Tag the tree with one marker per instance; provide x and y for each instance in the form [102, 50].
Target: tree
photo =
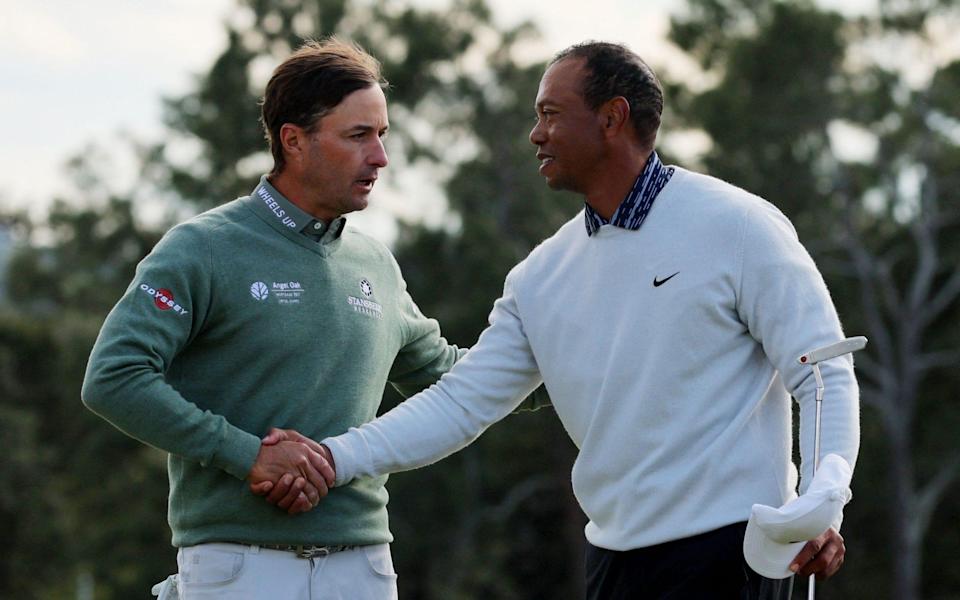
[424, 54]
[504, 210]
[884, 229]
[499, 519]
[66, 471]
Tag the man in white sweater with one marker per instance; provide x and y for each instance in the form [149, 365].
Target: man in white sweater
[666, 322]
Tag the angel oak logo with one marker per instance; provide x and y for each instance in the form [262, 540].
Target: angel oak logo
[258, 290]
[163, 299]
[283, 292]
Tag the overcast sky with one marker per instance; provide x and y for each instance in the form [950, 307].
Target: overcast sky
[74, 73]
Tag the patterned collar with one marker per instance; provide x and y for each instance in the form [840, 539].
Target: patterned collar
[634, 208]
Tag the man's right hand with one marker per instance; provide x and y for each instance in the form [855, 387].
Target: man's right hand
[303, 474]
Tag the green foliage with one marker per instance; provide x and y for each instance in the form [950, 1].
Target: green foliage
[885, 232]
[79, 489]
[508, 528]
[498, 520]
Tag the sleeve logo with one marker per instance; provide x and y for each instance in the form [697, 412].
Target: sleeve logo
[163, 299]
[259, 290]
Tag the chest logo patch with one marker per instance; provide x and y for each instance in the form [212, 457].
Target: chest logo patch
[658, 282]
[366, 288]
[283, 292]
[366, 306]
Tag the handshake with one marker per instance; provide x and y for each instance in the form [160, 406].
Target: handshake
[292, 471]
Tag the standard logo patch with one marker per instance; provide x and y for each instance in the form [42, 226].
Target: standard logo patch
[366, 306]
[163, 299]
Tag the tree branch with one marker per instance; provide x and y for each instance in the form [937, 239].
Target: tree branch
[863, 263]
[518, 494]
[935, 360]
[943, 298]
[929, 496]
[923, 231]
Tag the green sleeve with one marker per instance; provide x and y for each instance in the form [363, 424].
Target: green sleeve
[425, 355]
[161, 312]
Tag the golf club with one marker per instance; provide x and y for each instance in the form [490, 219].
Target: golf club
[814, 358]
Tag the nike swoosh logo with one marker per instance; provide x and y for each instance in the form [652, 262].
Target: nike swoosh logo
[659, 282]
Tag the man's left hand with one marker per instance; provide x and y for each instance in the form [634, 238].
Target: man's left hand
[822, 556]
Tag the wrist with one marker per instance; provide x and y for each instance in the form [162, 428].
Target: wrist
[328, 454]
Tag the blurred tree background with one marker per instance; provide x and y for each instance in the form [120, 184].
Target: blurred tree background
[817, 112]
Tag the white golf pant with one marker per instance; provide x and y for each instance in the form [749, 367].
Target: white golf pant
[242, 572]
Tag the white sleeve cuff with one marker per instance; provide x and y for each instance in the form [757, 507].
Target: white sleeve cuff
[344, 461]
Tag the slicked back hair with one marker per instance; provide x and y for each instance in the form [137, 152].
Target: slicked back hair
[614, 70]
[311, 83]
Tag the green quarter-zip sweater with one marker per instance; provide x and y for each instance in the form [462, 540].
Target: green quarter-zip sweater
[249, 316]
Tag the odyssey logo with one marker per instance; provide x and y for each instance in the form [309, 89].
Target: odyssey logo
[163, 299]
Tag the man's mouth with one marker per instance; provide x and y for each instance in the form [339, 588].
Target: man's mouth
[366, 183]
[545, 160]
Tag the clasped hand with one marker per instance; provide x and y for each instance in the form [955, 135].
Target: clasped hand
[292, 471]
[821, 556]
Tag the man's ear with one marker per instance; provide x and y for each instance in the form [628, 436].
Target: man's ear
[292, 138]
[616, 115]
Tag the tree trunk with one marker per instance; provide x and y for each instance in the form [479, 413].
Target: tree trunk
[906, 543]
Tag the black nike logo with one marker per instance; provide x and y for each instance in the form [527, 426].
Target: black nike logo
[659, 282]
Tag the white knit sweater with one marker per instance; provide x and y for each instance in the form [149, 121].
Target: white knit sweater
[677, 395]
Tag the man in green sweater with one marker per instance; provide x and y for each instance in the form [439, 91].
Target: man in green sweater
[269, 312]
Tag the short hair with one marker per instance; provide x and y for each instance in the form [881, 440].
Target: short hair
[615, 70]
[311, 83]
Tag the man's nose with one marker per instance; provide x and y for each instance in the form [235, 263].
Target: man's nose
[536, 135]
[378, 157]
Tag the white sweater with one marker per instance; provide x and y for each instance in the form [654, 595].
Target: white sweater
[677, 395]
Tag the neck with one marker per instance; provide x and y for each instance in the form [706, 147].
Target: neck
[614, 183]
[293, 189]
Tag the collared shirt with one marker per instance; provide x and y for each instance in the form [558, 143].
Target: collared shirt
[634, 208]
[296, 218]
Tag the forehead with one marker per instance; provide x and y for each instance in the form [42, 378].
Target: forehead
[366, 106]
[562, 82]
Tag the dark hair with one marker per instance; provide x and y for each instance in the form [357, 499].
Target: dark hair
[614, 70]
[311, 83]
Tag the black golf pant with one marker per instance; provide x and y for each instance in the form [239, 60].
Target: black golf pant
[707, 566]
